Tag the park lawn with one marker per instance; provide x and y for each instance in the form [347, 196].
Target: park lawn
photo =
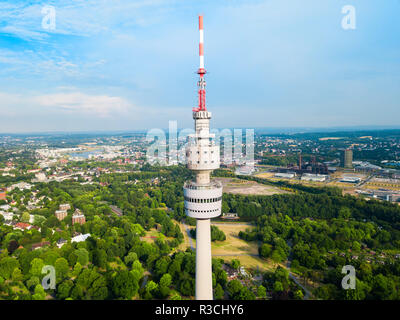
[251, 262]
[233, 244]
[150, 235]
[245, 187]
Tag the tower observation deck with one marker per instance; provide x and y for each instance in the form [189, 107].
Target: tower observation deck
[203, 197]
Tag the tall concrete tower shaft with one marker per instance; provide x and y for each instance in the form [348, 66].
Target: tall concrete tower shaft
[203, 197]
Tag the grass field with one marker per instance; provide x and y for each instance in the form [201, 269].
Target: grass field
[251, 262]
[150, 236]
[238, 186]
[233, 247]
[232, 244]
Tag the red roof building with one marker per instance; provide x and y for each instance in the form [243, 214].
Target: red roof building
[3, 194]
[23, 226]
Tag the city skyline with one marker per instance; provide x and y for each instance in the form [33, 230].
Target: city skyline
[109, 66]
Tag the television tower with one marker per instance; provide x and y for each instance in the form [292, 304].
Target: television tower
[203, 197]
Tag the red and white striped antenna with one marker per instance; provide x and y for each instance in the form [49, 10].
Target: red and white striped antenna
[202, 71]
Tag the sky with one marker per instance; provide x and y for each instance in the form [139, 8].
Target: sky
[114, 65]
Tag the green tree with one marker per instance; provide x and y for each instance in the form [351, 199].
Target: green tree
[36, 267]
[7, 266]
[100, 258]
[17, 275]
[344, 213]
[278, 287]
[64, 289]
[32, 282]
[25, 217]
[82, 256]
[39, 294]
[265, 250]
[62, 268]
[125, 285]
[151, 287]
[261, 291]
[130, 258]
[77, 269]
[234, 287]
[165, 282]
[235, 264]
[218, 292]
[298, 295]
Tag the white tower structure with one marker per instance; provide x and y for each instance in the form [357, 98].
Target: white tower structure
[203, 197]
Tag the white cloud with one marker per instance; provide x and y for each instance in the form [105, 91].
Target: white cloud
[78, 18]
[74, 102]
[77, 102]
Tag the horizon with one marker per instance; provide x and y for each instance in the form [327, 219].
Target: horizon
[266, 130]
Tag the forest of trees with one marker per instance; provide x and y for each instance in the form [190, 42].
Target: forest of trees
[317, 229]
[216, 234]
[320, 234]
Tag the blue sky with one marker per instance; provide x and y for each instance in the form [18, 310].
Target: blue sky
[130, 65]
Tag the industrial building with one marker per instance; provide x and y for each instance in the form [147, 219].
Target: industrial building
[286, 175]
[245, 170]
[350, 179]
[202, 197]
[314, 177]
[346, 160]
[392, 196]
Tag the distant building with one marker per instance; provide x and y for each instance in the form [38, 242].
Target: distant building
[245, 170]
[41, 177]
[65, 206]
[80, 237]
[21, 186]
[231, 216]
[286, 175]
[61, 214]
[8, 216]
[350, 179]
[3, 194]
[23, 226]
[61, 242]
[116, 210]
[39, 245]
[314, 177]
[78, 217]
[346, 160]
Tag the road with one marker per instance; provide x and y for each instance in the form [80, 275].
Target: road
[291, 276]
[188, 233]
[365, 181]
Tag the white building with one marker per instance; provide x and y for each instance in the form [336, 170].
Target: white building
[80, 238]
[8, 216]
[245, 170]
[314, 177]
[41, 177]
[21, 186]
[286, 175]
[350, 179]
